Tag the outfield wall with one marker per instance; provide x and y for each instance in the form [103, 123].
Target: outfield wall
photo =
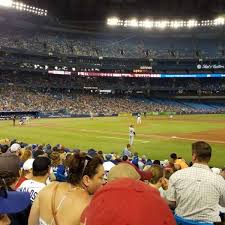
[8, 115]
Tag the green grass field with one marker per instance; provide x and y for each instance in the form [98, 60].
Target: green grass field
[156, 137]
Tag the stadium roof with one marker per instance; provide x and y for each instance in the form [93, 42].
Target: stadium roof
[98, 10]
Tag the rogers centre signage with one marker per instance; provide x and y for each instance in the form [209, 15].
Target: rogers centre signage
[99, 74]
[206, 66]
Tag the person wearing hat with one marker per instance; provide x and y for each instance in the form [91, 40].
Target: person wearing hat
[8, 178]
[26, 172]
[12, 202]
[41, 171]
[14, 149]
[9, 168]
[108, 164]
[131, 134]
[127, 201]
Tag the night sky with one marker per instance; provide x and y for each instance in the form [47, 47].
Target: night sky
[98, 10]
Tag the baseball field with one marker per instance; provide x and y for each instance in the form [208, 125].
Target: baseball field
[156, 137]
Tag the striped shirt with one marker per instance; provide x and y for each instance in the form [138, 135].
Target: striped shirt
[197, 193]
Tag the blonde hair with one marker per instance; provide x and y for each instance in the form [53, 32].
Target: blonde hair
[157, 173]
[55, 159]
[25, 155]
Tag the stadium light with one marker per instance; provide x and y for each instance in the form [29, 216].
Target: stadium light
[148, 23]
[23, 7]
[6, 3]
[176, 24]
[219, 21]
[112, 21]
[162, 24]
[133, 23]
[192, 23]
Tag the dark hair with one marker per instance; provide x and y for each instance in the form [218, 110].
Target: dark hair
[4, 148]
[40, 173]
[156, 162]
[7, 178]
[40, 147]
[83, 164]
[125, 158]
[202, 150]
[38, 153]
[41, 166]
[100, 154]
[173, 156]
[67, 161]
[54, 149]
[168, 174]
[128, 145]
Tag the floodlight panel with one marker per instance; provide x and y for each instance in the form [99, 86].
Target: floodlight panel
[161, 24]
[148, 23]
[219, 21]
[113, 21]
[192, 23]
[6, 3]
[133, 22]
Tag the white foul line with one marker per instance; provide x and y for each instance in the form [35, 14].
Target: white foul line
[118, 138]
[193, 139]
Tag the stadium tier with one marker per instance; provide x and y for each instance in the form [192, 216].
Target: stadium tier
[40, 44]
[77, 71]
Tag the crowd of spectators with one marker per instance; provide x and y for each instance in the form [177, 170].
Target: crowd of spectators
[40, 183]
[81, 95]
[100, 45]
[16, 98]
[71, 102]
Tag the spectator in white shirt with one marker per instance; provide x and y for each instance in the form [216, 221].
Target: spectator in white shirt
[41, 171]
[196, 192]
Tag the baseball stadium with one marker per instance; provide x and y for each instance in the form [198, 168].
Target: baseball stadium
[112, 101]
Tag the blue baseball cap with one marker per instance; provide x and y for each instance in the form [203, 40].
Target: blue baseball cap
[13, 201]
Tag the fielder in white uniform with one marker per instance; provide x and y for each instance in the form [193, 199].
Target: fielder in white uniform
[91, 115]
[27, 119]
[139, 118]
[131, 134]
